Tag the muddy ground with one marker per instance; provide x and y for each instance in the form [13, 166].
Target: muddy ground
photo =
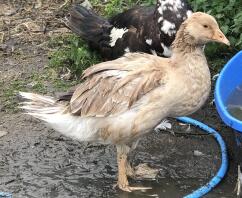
[36, 161]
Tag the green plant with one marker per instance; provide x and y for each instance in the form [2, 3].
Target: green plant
[117, 6]
[42, 83]
[71, 53]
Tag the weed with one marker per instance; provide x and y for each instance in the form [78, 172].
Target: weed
[73, 55]
[117, 6]
[45, 83]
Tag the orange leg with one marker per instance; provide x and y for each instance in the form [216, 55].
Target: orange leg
[123, 183]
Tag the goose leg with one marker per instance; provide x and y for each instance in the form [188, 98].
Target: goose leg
[123, 184]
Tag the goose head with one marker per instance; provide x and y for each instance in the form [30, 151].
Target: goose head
[198, 30]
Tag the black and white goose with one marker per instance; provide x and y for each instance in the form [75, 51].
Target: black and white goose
[144, 29]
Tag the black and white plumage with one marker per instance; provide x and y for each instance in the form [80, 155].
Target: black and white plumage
[144, 29]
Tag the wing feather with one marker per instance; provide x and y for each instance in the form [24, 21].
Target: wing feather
[115, 86]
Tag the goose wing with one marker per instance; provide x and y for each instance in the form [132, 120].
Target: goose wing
[115, 86]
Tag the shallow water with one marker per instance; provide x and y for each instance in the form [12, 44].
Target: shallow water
[235, 111]
[234, 103]
[36, 162]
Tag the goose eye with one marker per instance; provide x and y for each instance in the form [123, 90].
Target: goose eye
[205, 26]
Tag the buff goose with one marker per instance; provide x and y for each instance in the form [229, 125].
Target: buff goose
[140, 29]
[121, 100]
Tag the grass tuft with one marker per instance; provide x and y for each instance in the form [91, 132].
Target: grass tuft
[71, 54]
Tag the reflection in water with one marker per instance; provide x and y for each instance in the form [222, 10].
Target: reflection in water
[234, 103]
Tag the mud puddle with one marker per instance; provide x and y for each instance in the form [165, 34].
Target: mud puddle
[39, 162]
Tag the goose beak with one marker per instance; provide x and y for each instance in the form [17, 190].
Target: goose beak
[219, 37]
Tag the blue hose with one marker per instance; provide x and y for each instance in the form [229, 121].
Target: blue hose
[214, 181]
[224, 164]
[5, 195]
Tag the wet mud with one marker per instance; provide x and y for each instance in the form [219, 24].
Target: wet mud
[39, 162]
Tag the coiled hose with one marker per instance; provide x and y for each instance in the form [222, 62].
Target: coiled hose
[224, 158]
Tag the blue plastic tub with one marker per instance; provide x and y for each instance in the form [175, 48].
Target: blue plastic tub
[229, 78]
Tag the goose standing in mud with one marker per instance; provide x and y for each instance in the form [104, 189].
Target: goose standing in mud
[119, 101]
[140, 29]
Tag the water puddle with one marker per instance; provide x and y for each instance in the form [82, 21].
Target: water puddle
[53, 166]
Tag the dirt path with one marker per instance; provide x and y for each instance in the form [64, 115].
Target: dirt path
[38, 162]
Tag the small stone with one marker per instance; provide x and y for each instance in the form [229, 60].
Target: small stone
[31, 84]
[38, 4]
[3, 47]
[86, 4]
[32, 27]
[198, 153]
[3, 133]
